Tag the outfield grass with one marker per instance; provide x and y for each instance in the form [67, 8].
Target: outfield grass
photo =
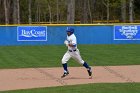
[50, 56]
[87, 88]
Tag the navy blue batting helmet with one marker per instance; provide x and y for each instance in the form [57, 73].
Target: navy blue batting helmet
[71, 30]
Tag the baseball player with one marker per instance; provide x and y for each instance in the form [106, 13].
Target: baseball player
[73, 52]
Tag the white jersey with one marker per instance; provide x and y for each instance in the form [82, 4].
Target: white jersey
[72, 40]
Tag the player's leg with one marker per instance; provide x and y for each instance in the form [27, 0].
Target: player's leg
[76, 55]
[65, 58]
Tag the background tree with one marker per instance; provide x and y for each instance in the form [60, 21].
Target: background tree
[57, 8]
[16, 11]
[107, 4]
[6, 12]
[84, 18]
[123, 11]
[89, 9]
[29, 9]
[131, 11]
[70, 11]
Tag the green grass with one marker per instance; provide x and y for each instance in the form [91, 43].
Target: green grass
[50, 56]
[87, 88]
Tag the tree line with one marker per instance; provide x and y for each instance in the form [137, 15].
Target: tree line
[68, 11]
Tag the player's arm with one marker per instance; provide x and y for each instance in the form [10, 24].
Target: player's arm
[72, 45]
[68, 43]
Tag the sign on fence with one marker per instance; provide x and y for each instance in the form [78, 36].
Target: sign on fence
[129, 32]
[31, 33]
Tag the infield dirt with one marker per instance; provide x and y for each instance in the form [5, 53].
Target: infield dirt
[26, 78]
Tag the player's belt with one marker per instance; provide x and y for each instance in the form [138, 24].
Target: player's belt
[72, 50]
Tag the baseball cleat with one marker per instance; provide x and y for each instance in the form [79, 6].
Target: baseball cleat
[90, 72]
[65, 74]
[90, 77]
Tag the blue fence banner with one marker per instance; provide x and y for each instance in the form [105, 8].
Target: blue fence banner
[128, 32]
[31, 33]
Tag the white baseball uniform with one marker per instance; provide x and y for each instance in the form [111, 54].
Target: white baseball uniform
[72, 52]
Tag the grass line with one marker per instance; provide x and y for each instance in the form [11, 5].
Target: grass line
[87, 88]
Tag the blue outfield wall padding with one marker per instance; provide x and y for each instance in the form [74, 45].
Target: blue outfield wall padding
[94, 34]
[56, 35]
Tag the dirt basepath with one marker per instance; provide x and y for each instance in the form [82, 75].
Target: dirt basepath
[13, 79]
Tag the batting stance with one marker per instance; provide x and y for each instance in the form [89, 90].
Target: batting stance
[73, 52]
